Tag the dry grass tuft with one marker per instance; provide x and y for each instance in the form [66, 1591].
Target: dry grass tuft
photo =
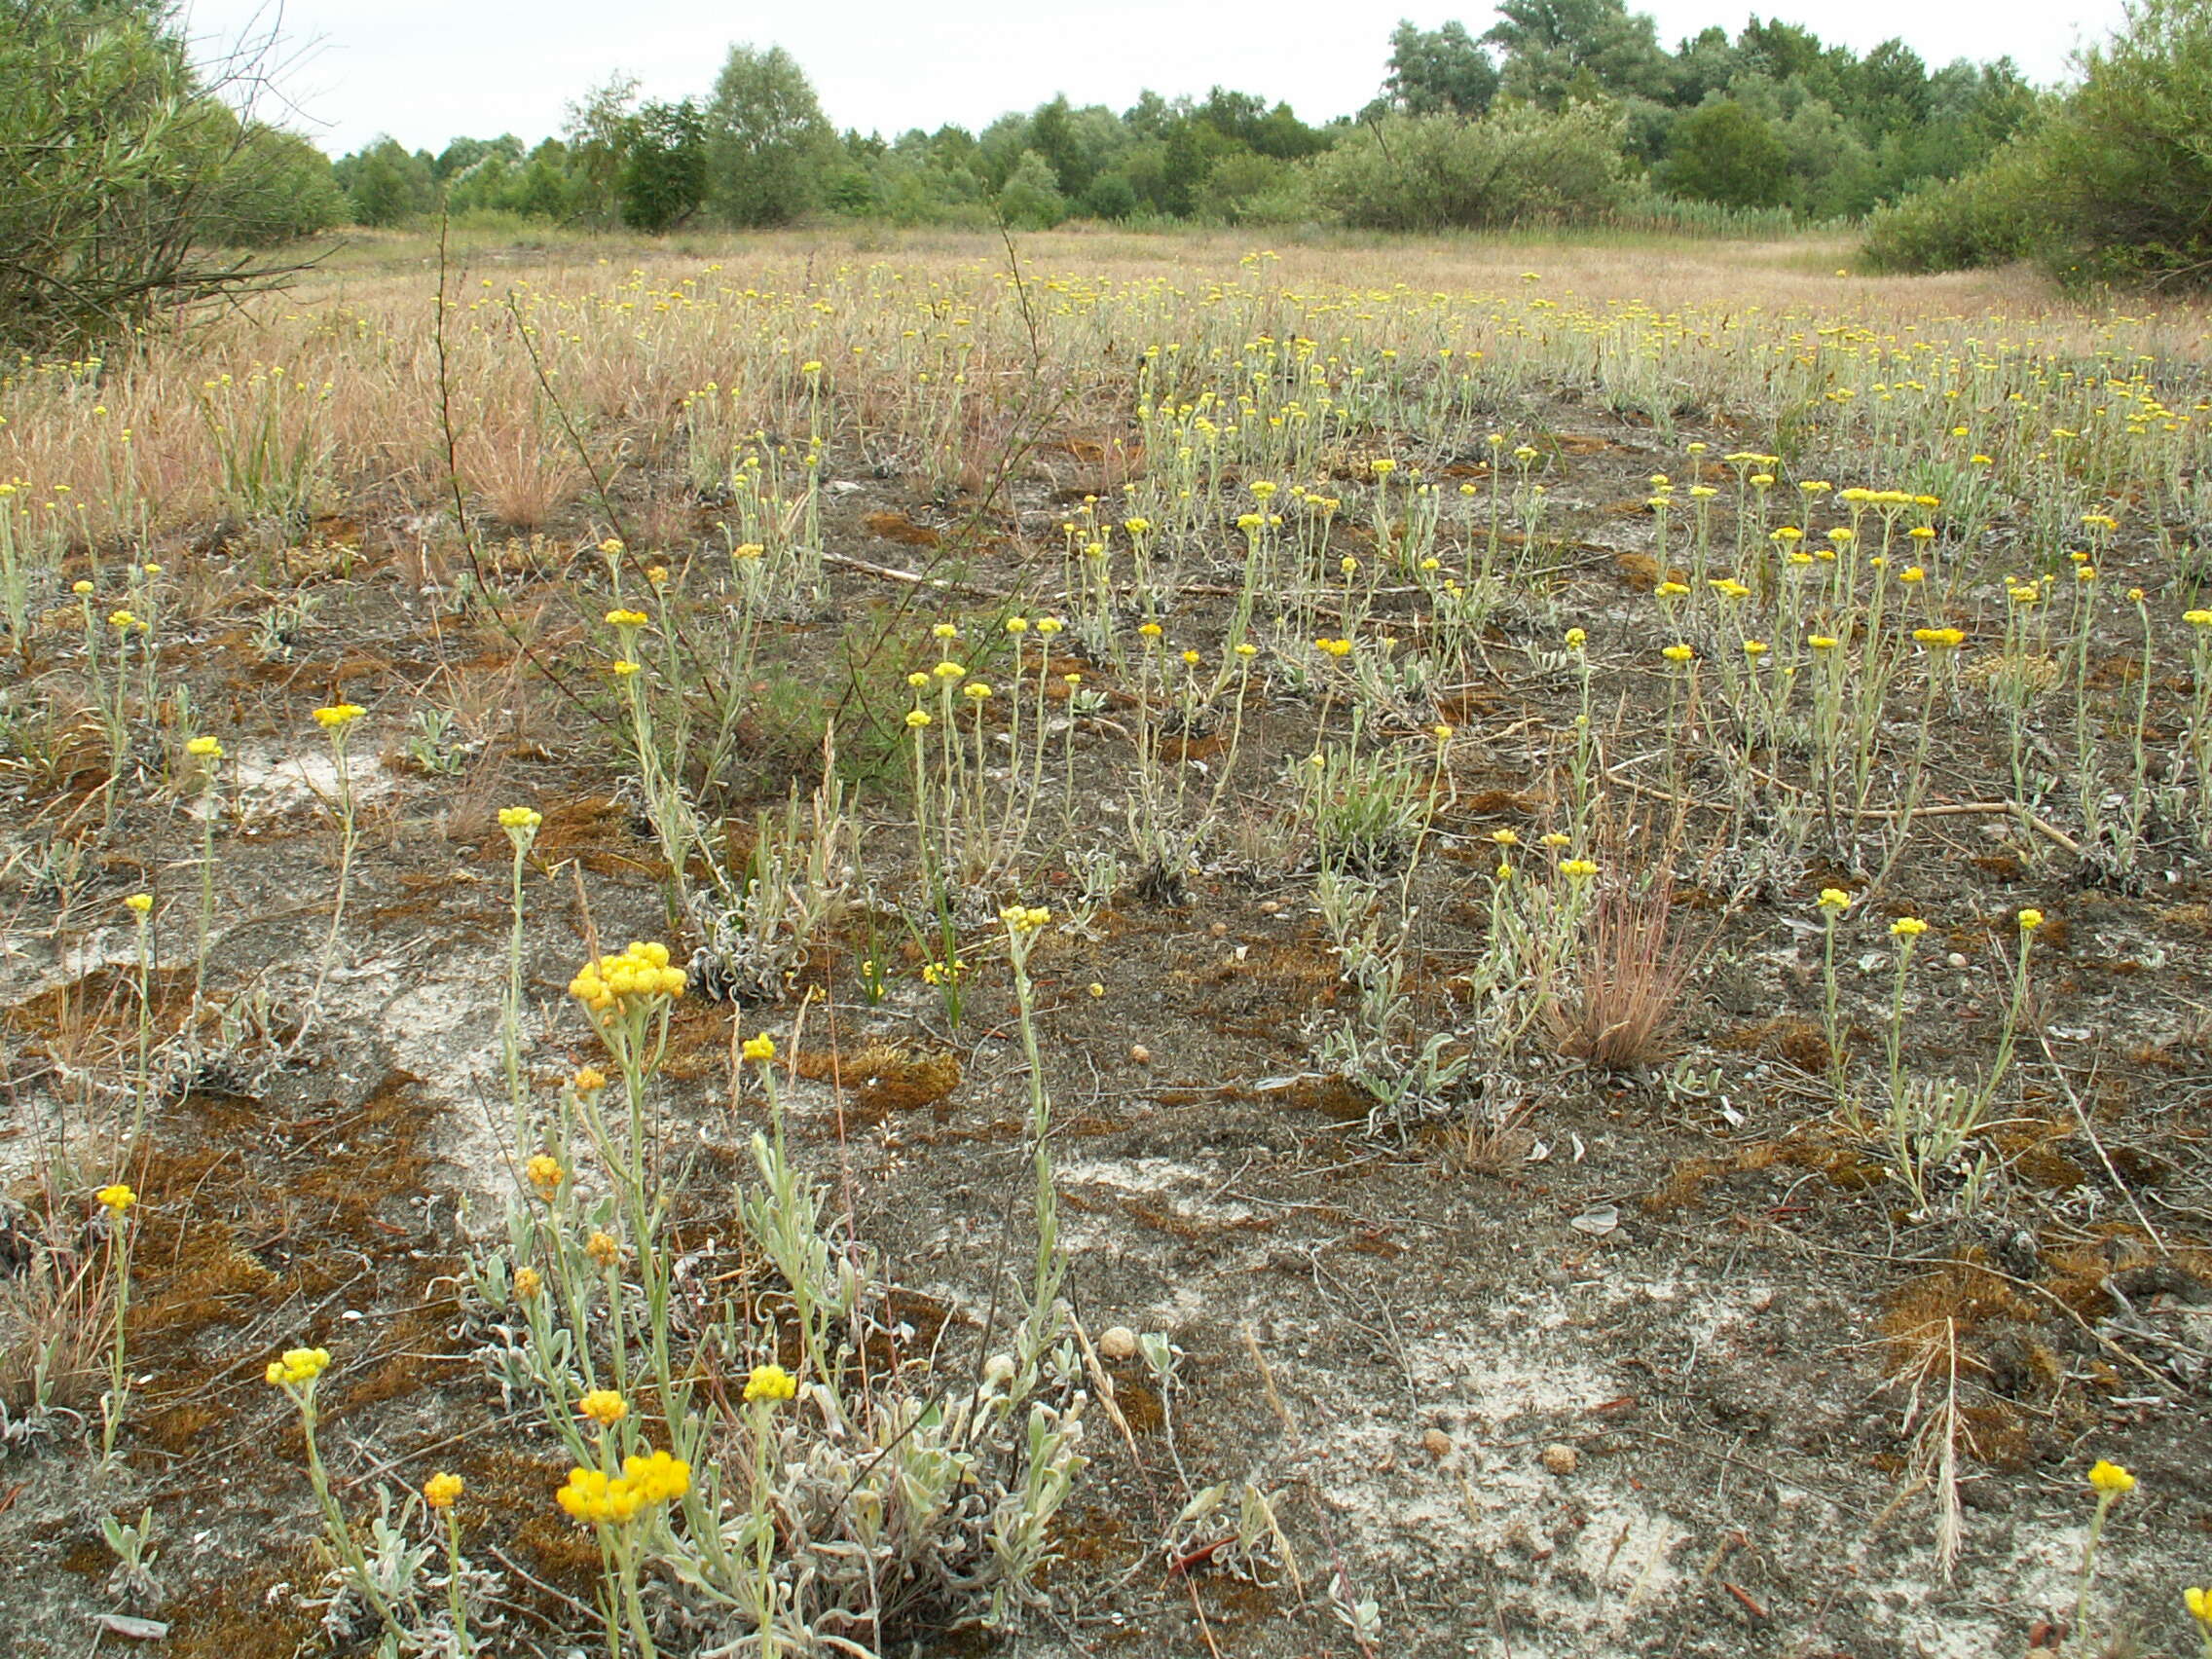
[1628, 997]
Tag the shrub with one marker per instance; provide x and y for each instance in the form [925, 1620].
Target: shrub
[1988, 217]
[2128, 161]
[2115, 184]
[1516, 164]
[118, 164]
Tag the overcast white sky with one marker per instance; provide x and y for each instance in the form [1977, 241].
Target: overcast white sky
[424, 70]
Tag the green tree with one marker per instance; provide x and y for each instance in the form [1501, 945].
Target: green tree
[664, 175]
[385, 185]
[1438, 72]
[767, 142]
[1724, 152]
[600, 129]
[1031, 198]
[1555, 50]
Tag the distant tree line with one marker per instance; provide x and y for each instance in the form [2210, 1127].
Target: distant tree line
[133, 169]
[1562, 109]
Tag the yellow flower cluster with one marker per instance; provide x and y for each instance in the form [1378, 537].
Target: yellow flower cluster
[771, 1383]
[520, 818]
[336, 717]
[604, 1407]
[2110, 1477]
[619, 983]
[205, 749]
[442, 1490]
[761, 1047]
[117, 1197]
[590, 1495]
[138, 903]
[1025, 919]
[1908, 927]
[627, 618]
[298, 1367]
[544, 1173]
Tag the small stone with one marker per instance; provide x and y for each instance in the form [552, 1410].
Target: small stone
[1270, 908]
[1141, 1055]
[1220, 929]
[1957, 959]
[1437, 1444]
[1561, 1458]
[1117, 1342]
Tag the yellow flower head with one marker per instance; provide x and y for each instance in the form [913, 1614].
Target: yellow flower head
[2199, 1606]
[117, 1197]
[545, 1173]
[1505, 837]
[1908, 927]
[1834, 899]
[1676, 653]
[336, 717]
[771, 1383]
[625, 983]
[627, 618]
[2110, 1477]
[976, 691]
[658, 1478]
[520, 818]
[1576, 638]
[1580, 869]
[591, 1497]
[1820, 642]
[205, 749]
[441, 1492]
[2030, 920]
[79, 588]
[297, 1368]
[917, 718]
[138, 903]
[587, 1080]
[1941, 639]
[529, 1281]
[604, 1407]
[761, 1047]
[622, 668]
[612, 546]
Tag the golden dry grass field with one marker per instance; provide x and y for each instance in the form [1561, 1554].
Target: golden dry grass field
[1109, 946]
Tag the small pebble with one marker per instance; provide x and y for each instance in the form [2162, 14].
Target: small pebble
[1270, 908]
[1560, 1459]
[1956, 959]
[1220, 929]
[1117, 1342]
[1437, 1444]
[1140, 1054]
